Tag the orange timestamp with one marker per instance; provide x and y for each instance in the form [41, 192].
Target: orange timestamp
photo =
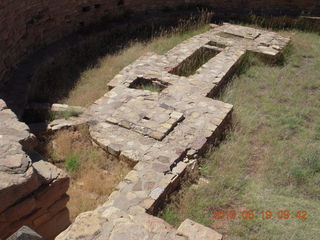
[264, 214]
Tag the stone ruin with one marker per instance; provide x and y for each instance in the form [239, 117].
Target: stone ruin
[32, 191]
[162, 133]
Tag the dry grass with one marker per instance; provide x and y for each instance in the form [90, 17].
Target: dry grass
[93, 186]
[78, 74]
[94, 173]
[92, 83]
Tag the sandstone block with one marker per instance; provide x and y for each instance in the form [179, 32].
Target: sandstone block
[48, 172]
[56, 224]
[50, 193]
[18, 210]
[59, 204]
[16, 186]
[195, 231]
[128, 230]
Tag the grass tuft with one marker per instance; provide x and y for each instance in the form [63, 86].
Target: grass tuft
[72, 164]
[64, 114]
[151, 87]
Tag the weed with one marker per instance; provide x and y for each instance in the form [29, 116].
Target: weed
[317, 133]
[171, 216]
[72, 164]
[312, 160]
[298, 175]
[151, 87]
[70, 113]
[63, 114]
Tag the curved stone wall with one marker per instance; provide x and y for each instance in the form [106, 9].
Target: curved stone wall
[27, 25]
[266, 7]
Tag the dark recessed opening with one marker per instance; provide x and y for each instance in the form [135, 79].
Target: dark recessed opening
[191, 64]
[86, 9]
[146, 118]
[152, 84]
[96, 6]
[120, 2]
[216, 44]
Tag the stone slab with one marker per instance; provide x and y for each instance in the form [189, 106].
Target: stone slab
[194, 231]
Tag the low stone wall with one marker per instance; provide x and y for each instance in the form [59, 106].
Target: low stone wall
[32, 191]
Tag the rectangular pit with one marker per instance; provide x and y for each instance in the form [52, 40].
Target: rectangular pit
[191, 64]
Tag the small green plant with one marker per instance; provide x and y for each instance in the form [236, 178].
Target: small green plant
[151, 87]
[72, 163]
[70, 113]
[63, 114]
[298, 175]
[51, 116]
[249, 60]
[313, 161]
[317, 133]
[171, 216]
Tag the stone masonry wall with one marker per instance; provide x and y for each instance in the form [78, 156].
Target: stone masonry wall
[32, 191]
[266, 7]
[29, 24]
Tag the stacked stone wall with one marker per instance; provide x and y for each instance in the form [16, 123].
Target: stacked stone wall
[32, 191]
[27, 25]
[266, 7]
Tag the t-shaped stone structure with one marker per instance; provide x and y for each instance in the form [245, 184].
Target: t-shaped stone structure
[159, 115]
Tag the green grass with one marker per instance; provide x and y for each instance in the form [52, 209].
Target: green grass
[70, 113]
[271, 158]
[151, 88]
[72, 164]
[63, 114]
